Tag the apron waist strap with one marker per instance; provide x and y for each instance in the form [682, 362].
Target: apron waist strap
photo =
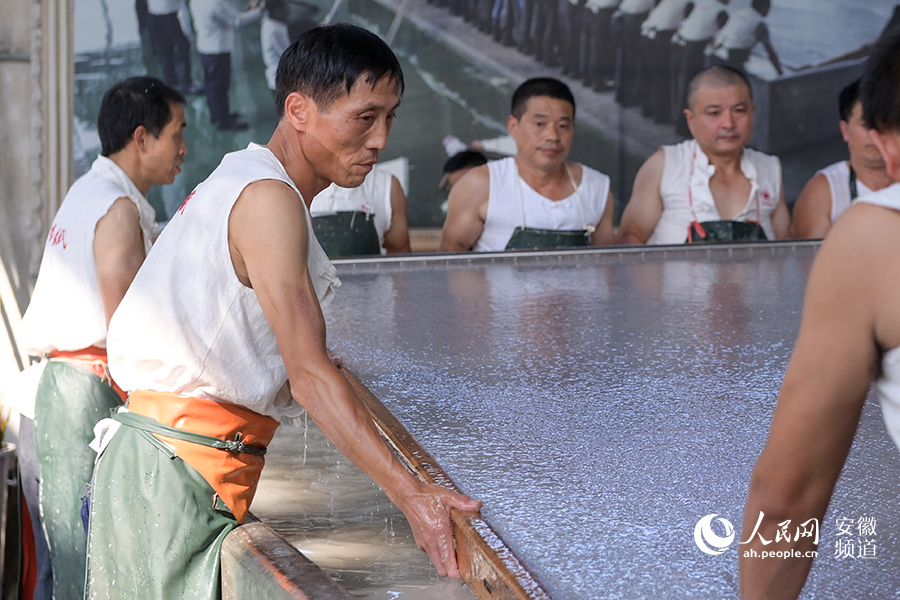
[147, 424]
[198, 430]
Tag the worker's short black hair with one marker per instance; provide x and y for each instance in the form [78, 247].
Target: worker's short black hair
[879, 88]
[325, 62]
[464, 159]
[540, 86]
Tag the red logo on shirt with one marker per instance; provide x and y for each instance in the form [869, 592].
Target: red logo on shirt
[57, 236]
[186, 200]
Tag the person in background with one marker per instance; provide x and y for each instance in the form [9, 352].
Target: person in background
[694, 33]
[221, 336]
[274, 37]
[745, 28]
[849, 337]
[712, 187]
[534, 199]
[545, 31]
[598, 46]
[570, 19]
[170, 46]
[97, 242]
[368, 219]
[629, 58]
[833, 189]
[215, 22]
[657, 31]
[458, 165]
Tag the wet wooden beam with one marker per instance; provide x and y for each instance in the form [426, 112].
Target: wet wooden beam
[257, 563]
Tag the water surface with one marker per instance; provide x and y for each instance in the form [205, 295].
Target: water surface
[600, 404]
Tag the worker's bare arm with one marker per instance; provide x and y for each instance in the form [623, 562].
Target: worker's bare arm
[269, 238]
[645, 206]
[396, 239]
[812, 211]
[849, 319]
[466, 211]
[604, 234]
[118, 252]
[781, 218]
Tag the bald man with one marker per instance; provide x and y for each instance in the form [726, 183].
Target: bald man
[712, 187]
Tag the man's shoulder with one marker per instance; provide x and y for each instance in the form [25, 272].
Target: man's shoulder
[680, 151]
[868, 230]
[94, 189]
[590, 173]
[761, 159]
[759, 154]
[480, 176]
[886, 198]
[839, 169]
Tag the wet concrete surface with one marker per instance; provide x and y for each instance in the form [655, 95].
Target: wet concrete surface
[601, 403]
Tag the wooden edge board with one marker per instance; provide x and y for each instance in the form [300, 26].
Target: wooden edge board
[487, 565]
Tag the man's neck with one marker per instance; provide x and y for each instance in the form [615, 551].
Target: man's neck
[540, 178]
[726, 164]
[129, 163]
[296, 165]
[874, 178]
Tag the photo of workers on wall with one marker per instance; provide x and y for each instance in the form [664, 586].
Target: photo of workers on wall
[627, 63]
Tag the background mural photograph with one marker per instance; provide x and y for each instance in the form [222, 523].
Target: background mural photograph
[626, 63]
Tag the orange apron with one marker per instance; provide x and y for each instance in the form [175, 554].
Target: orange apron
[234, 475]
[93, 360]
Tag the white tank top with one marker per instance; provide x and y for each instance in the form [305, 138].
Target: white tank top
[666, 16]
[635, 7]
[685, 182]
[187, 325]
[888, 384]
[66, 310]
[838, 176]
[373, 197]
[739, 32]
[703, 22]
[163, 7]
[509, 194]
[596, 6]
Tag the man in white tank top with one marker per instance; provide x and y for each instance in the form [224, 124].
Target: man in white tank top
[97, 242]
[536, 192]
[713, 177]
[849, 336]
[226, 311]
[833, 189]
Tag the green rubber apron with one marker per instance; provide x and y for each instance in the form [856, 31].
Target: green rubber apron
[174, 525]
[530, 238]
[69, 402]
[347, 233]
[711, 232]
